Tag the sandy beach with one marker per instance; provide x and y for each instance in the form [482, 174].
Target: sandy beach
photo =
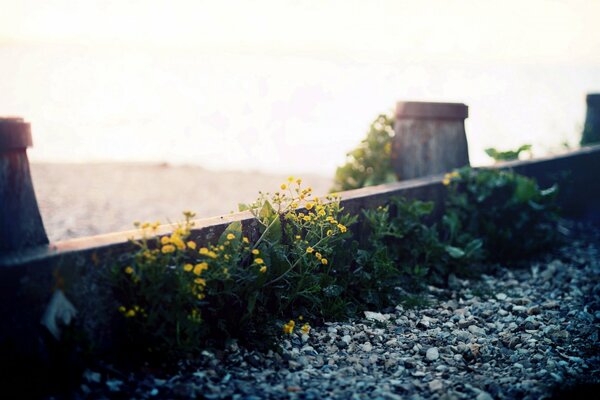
[79, 200]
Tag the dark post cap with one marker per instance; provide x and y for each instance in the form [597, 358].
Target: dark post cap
[429, 110]
[15, 133]
[593, 99]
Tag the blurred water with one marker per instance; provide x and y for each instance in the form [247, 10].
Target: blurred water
[263, 112]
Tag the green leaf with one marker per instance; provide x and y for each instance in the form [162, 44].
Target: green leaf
[235, 228]
[243, 207]
[267, 212]
[454, 252]
[550, 192]
[333, 290]
[526, 190]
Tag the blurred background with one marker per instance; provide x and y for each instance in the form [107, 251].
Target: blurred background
[191, 91]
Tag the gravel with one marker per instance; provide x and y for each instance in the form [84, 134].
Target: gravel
[518, 332]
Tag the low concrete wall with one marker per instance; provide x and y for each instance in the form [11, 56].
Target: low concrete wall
[28, 279]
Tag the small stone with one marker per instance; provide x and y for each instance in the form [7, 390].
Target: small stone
[474, 329]
[484, 396]
[535, 310]
[341, 344]
[375, 316]
[501, 296]
[435, 385]
[423, 324]
[519, 309]
[366, 347]
[550, 304]
[432, 354]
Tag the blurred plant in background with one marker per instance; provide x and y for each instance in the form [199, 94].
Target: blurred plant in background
[508, 155]
[370, 162]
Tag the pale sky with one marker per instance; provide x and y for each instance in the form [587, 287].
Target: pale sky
[465, 31]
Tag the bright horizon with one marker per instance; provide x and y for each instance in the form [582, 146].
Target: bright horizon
[256, 84]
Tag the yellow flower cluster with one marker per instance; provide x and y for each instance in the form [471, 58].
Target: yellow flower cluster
[305, 329]
[132, 312]
[449, 176]
[194, 316]
[288, 328]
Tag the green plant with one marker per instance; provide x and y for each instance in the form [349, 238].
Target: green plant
[157, 297]
[508, 211]
[370, 163]
[302, 251]
[175, 296]
[508, 155]
[403, 251]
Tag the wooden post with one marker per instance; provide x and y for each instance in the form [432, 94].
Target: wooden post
[20, 221]
[429, 138]
[591, 129]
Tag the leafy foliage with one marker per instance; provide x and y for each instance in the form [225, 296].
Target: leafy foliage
[404, 251]
[507, 155]
[508, 211]
[175, 297]
[370, 163]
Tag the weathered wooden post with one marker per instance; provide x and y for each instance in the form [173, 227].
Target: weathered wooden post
[429, 138]
[591, 129]
[20, 221]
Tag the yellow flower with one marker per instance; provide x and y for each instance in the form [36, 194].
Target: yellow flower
[309, 249]
[176, 240]
[290, 179]
[201, 296]
[283, 186]
[230, 236]
[122, 309]
[298, 237]
[164, 240]
[305, 328]
[300, 318]
[318, 255]
[299, 181]
[255, 251]
[259, 261]
[191, 245]
[130, 313]
[168, 248]
[245, 240]
[329, 232]
[200, 281]
[203, 251]
[307, 218]
[200, 267]
[263, 269]
[289, 327]
[342, 228]
[188, 267]
[324, 261]
[212, 254]
[128, 270]
[309, 206]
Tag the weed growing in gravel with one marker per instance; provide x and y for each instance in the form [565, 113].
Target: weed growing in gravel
[508, 211]
[403, 251]
[174, 295]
